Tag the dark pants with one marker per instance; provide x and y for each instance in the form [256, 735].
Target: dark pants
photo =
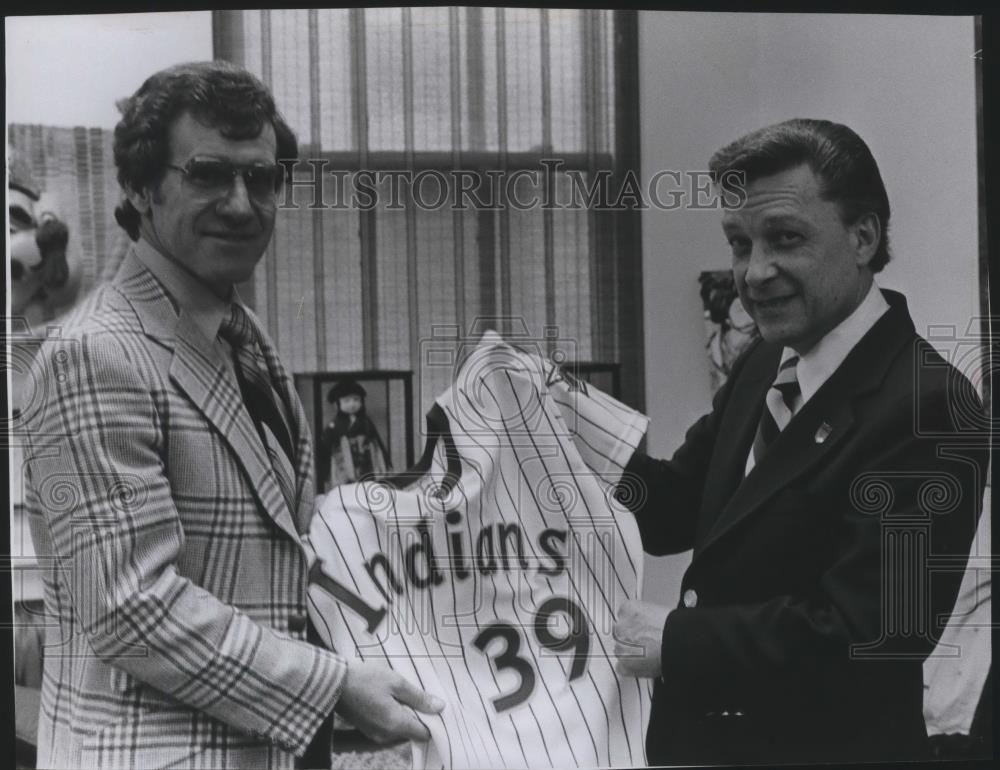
[317, 756]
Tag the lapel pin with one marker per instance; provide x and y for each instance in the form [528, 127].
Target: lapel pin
[822, 433]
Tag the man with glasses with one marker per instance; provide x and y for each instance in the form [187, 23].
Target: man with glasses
[169, 483]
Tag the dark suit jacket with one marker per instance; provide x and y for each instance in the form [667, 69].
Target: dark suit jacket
[818, 582]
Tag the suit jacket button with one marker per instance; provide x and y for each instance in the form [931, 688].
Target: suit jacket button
[690, 598]
[296, 623]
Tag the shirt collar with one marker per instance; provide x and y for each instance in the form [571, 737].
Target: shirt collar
[816, 366]
[188, 292]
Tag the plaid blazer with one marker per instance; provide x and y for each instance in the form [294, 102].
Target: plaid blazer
[174, 571]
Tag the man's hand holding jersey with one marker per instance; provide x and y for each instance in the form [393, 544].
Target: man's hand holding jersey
[638, 634]
[381, 703]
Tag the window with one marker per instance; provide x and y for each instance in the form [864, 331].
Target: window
[491, 93]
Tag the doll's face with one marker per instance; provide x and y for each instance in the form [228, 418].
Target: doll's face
[349, 404]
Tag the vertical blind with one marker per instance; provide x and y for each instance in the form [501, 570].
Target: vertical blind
[489, 91]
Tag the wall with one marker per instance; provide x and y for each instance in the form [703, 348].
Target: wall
[905, 84]
[70, 70]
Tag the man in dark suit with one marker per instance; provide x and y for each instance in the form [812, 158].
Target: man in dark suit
[840, 460]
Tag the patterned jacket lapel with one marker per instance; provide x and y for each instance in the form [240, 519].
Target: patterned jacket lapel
[199, 370]
[303, 446]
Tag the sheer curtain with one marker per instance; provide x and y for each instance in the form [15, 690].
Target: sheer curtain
[492, 92]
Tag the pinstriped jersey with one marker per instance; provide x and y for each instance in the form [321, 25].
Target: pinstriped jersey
[490, 573]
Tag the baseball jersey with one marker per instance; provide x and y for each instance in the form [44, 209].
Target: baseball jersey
[489, 574]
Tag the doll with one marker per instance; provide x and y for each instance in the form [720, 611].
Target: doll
[730, 328]
[350, 447]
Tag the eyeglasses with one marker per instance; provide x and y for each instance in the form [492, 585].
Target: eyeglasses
[212, 175]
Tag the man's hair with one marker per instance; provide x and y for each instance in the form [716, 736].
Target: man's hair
[216, 94]
[847, 172]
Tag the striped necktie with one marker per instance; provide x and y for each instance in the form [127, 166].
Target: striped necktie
[774, 418]
[260, 398]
